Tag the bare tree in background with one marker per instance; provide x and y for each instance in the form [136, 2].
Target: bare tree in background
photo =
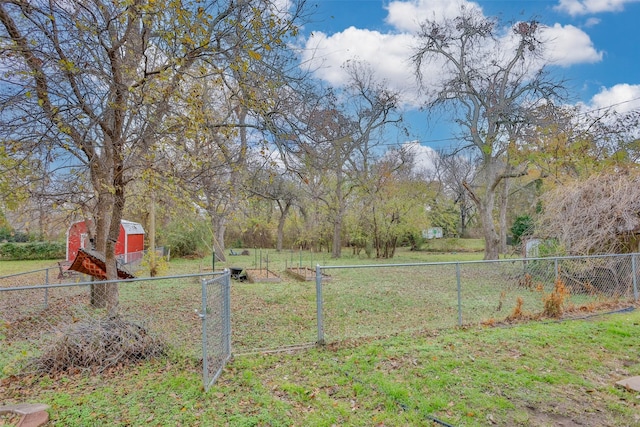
[453, 171]
[341, 138]
[491, 88]
[279, 187]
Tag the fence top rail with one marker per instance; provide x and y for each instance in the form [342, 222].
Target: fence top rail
[216, 279]
[101, 282]
[504, 260]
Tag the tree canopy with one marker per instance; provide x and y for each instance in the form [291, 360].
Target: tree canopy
[92, 84]
[200, 109]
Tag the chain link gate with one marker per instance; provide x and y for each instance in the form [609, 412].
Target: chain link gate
[216, 326]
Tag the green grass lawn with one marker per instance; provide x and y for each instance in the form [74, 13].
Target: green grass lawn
[454, 245]
[537, 374]
[15, 267]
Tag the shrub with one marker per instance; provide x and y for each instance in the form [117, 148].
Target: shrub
[186, 239]
[522, 226]
[161, 265]
[415, 240]
[7, 234]
[32, 251]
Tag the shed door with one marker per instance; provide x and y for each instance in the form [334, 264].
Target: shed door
[84, 241]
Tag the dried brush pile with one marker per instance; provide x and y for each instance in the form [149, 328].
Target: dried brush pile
[99, 344]
[596, 216]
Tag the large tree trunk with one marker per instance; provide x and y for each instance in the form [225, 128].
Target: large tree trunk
[504, 202]
[110, 290]
[486, 205]
[219, 224]
[153, 264]
[102, 219]
[336, 249]
[283, 217]
[463, 221]
[491, 237]
[108, 216]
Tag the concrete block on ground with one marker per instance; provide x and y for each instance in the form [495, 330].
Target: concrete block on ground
[632, 383]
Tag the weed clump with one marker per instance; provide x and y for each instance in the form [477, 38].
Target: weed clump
[517, 310]
[555, 301]
[99, 344]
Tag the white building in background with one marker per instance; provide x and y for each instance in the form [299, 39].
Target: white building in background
[532, 248]
[432, 233]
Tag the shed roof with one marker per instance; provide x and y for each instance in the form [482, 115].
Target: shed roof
[131, 227]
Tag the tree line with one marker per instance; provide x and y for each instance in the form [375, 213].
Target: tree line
[166, 111]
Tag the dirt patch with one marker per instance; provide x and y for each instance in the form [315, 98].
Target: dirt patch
[28, 318]
[9, 419]
[262, 275]
[588, 417]
[541, 418]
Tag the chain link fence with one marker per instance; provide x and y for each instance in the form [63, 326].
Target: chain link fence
[216, 326]
[58, 327]
[206, 316]
[379, 300]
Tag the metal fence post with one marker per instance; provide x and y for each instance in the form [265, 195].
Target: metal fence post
[46, 290]
[203, 317]
[459, 294]
[319, 305]
[635, 278]
[555, 267]
[227, 312]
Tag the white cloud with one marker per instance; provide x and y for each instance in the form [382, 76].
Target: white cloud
[584, 7]
[388, 54]
[568, 45]
[424, 157]
[562, 45]
[621, 97]
[407, 15]
[592, 22]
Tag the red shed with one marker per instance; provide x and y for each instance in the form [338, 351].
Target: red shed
[129, 247]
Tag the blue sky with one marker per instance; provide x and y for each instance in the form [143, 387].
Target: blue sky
[596, 46]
